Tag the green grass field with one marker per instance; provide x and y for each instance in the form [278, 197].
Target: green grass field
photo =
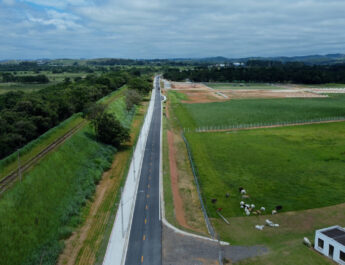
[115, 105]
[264, 111]
[8, 87]
[42, 210]
[30, 150]
[296, 167]
[242, 86]
[37, 214]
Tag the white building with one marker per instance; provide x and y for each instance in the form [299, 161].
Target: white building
[331, 243]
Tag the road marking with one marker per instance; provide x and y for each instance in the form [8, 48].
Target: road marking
[147, 207]
[148, 196]
[142, 259]
[145, 220]
[148, 185]
[144, 237]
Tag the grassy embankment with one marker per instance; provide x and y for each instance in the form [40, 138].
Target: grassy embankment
[42, 210]
[10, 163]
[296, 167]
[242, 86]
[88, 244]
[259, 111]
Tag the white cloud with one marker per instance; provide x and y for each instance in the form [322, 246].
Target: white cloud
[8, 2]
[176, 28]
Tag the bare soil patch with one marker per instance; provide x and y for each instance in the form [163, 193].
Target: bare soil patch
[197, 93]
[265, 93]
[200, 93]
[178, 204]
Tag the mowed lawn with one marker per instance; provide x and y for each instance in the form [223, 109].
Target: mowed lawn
[296, 167]
[259, 111]
[242, 86]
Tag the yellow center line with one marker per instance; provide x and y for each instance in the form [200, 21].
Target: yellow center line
[147, 207]
[142, 259]
[148, 185]
[144, 237]
[145, 220]
[148, 196]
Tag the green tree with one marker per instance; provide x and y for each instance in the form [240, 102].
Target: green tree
[133, 97]
[109, 130]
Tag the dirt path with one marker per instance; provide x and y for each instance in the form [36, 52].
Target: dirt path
[178, 203]
[275, 126]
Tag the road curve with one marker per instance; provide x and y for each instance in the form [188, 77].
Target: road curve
[145, 241]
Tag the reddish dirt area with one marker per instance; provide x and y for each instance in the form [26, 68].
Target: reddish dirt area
[178, 203]
[200, 93]
[267, 93]
[197, 93]
[275, 126]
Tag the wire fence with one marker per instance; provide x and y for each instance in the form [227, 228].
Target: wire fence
[229, 127]
[195, 173]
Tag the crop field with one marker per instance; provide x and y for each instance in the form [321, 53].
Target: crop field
[295, 167]
[242, 86]
[260, 111]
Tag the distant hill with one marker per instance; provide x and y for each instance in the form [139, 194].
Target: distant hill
[309, 59]
[327, 59]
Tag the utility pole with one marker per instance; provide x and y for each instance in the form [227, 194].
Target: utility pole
[19, 169]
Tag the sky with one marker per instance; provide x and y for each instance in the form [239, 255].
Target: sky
[33, 29]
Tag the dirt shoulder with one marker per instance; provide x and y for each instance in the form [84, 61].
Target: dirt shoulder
[85, 243]
[181, 198]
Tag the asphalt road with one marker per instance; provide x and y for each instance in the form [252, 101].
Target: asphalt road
[145, 241]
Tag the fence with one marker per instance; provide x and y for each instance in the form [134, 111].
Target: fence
[261, 124]
[195, 173]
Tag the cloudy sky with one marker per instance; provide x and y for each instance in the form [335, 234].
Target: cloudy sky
[33, 29]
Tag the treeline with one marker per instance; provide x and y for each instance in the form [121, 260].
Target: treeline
[9, 77]
[55, 69]
[25, 116]
[259, 71]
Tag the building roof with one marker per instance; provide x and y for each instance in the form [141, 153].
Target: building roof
[337, 234]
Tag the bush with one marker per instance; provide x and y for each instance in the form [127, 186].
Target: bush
[109, 130]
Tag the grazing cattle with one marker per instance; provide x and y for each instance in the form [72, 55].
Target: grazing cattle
[227, 195]
[243, 192]
[263, 209]
[279, 207]
[274, 212]
[240, 189]
[213, 200]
